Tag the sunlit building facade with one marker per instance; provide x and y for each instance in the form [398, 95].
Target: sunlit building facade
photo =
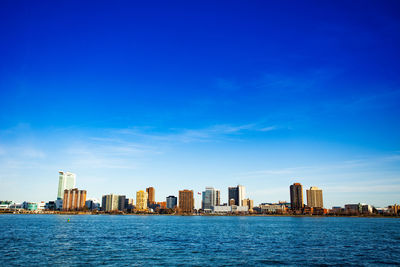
[186, 201]
[314, 197]
[151, 196]
[74, 199]
[141, 200]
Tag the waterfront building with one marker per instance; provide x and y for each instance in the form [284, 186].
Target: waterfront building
[66, 180]
[186, 201]
[129, 204]
[274, 208]
[229, 209]
[162, 204]
[248, 203]
[92, 204]
[31, 206]
[121, 202]
[358, 208]
[296, 196]
[172, 201]
[51, 205]
[314, 197]
[141, 200]
[110, 202]
[151, 196]
[41, 206]
[4, 205]
[237, 193]
[394, 209]
[211, 197]
[74, 199]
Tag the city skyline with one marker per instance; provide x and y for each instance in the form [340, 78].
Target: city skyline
[177, 95]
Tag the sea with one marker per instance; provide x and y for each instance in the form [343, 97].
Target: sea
[132, 240]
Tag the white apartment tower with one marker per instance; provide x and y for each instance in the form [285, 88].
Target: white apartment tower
[66, 180]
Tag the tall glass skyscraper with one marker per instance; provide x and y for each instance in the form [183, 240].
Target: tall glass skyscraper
[211, 197]
[66, 180]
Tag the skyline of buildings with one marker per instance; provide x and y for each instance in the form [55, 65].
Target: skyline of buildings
[75, 200]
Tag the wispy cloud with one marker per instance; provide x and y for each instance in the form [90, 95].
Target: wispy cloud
[212, 133]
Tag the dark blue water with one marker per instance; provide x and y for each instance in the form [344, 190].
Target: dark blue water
[194, 240]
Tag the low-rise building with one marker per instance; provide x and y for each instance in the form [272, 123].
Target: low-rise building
[359, 208]
[229, 209]
[92, 204]
[5, 204]
[272, 208]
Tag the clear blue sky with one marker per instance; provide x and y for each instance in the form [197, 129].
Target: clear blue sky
[172, 94]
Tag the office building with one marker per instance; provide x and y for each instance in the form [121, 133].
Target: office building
[211, 197]
[172, 201]
[296, 196]
[66, 180]
[141, 200]
[74, 199]
[110, 202]
[314, 197]
[186, 201]
[150, 196]
[237, 193]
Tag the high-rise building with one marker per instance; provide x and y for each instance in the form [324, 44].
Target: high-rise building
[110, 202]
[66, 180]
[211, 197]
[186, 201]
[151, 196]
[74, 199]
[121, 203]
[141, 200]
[237, 193]
[314, 197]
[296, 196]
[172, 201]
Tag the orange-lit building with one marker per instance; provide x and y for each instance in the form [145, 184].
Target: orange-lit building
[74, 199]
[186, 201]
[151, 196]
[163, 205]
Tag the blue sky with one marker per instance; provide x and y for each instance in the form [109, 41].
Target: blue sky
[187, 95]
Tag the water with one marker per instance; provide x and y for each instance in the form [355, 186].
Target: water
[197, 240]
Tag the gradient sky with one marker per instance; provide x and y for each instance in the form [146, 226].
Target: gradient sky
[178, 95]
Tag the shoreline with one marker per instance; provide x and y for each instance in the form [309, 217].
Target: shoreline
[205, 215]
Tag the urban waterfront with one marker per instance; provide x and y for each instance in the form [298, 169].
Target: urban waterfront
[197, 240]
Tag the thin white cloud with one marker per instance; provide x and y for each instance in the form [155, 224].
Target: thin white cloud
[212, 133]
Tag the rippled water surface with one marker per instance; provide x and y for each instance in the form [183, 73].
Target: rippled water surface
[195, 240]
